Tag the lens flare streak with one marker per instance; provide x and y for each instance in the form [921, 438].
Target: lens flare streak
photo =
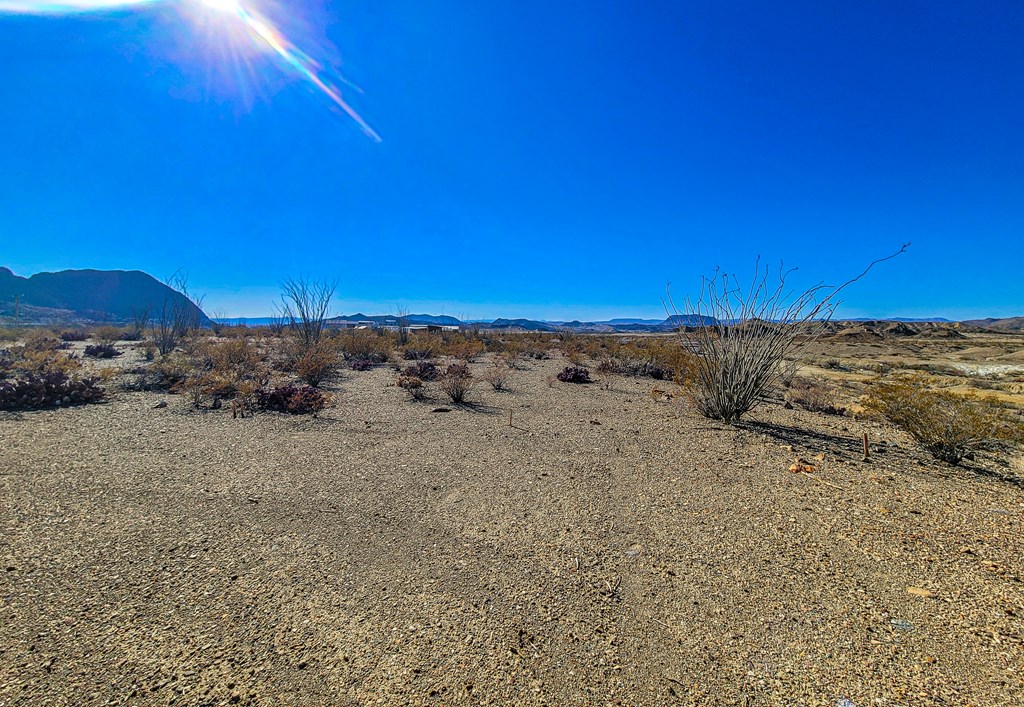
[258, 28]
[37, 7]
[294, 57]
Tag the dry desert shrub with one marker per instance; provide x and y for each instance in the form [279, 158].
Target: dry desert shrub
[813, 395]
[216, 370]
[176, 317]
[39, 355]
[102, 350]
[574, 374]
[948, 425]
[456, 382]
[741, 335]
[305, 306]
[39, 375]
[208, 370]
[73, 335]
[462, 348]
[421, 346]
[413, 385]
[294, 400]
[109, 334]
[498, 374]
[365, 348]
[13, 333]
[317, 363]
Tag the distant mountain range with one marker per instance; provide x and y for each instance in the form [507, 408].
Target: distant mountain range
[1006, 324]
[392, 319]
[116, 295]
[902, 319]
[86, 295]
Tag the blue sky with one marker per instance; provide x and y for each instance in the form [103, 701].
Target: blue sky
[541, 159]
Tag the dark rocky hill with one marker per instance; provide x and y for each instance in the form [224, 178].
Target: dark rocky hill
[87, 295]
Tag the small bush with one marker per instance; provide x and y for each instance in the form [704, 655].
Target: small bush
[305, 400]
[40, 341]
[225, 369]
[366, 345]
[813, 395]
[318, 363]
[413, 386]
[108, 334]
[53, 389]
[833, 364]
[462, 348]
[167, 373]
[949, 426]
[38, 360]
[498, 375]
[9, 333]
[101, 351]
[574, 374]
[361, 364]
[424, 370]
[74, 335]
[6, 363]
[421, 346]
[456, 381]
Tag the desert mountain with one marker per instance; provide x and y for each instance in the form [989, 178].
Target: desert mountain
[392, 319]
[1007, 324]
[88, 295]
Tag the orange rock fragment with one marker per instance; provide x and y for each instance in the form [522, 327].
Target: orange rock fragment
[802, 466]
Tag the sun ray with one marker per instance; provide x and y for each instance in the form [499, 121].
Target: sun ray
[36, 7]
[260, 30]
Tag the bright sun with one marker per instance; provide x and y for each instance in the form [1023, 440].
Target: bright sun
[222, 5]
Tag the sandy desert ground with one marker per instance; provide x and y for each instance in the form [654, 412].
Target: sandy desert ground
[608, 548]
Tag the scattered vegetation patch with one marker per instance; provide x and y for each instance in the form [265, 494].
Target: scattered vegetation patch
[74, 335]
[498, 375]
[813, 395]
[361, 364]
[424, 370]
[574, 374]
[414, 386]
[949, 426]
[294, 400]
[104, 350]
[316, 363]
[456, 382]
[365, 345]
[35, 391]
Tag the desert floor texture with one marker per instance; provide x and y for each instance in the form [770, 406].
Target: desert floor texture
[609, 547]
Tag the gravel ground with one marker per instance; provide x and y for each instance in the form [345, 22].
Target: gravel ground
[608, 548]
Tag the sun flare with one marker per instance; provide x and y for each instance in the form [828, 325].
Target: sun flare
[259, 30]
